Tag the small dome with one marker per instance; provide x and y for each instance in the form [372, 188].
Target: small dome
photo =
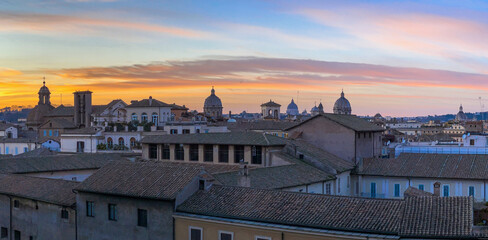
[292, 108]
[212, 100]
[461, 116]
[231, 120]
[378, 115]
[44, 90]
[342, 105]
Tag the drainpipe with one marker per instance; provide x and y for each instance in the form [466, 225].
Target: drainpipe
[10, 216]
[484, 189]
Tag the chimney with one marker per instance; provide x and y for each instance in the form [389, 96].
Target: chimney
[150, 100]
[437, 189]
[244, 179]
[230, 114]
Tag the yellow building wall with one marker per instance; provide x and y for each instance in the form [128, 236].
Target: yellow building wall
[211, 231]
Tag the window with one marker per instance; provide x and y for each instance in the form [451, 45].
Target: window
[132, 142]
[179, 152]
[4, 233]
[134, 117]
[421, 187]
[56, 133]
[89, 209]
[80, 147]
[64, 214]
[154, 119]
[110, 142]
[16, 150]
[471, 142]
[238, 153]
[196, 233]
[186, 131]
[194, 152]
[173, 131]
[121, 142]
[328, 189]
[112, 212]
[144, 117]
[208, 153]
[338, 185]
[357, 187]
[17, 235]
[16, 204]
[26, 149]
[471, 191]
[165, 152]
[224, 153]
[226, 235]
[142, 217]
[397, 190]
[45, 133]
[373, 189]
[153, 151]
[256, 154]
[7, 151]
[445, 191]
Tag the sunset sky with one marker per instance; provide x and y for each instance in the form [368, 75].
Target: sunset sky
[399, 58]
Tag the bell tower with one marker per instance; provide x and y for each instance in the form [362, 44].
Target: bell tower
[44, 94]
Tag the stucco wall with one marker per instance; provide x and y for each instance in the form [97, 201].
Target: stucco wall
[159, 218]
[45, 222]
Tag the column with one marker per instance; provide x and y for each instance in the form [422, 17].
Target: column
[231, 154]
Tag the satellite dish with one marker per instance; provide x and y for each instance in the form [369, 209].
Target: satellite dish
[464, 136]
[469, 134]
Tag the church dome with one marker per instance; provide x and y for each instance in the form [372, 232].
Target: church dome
[461, 116]
[44, 90]
[342, 105]
[212, 100]
[292, 108]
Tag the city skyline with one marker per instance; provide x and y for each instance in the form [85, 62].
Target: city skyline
[399, 59]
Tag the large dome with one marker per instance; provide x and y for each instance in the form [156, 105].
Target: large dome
[342, 105]
[461, 116]
[292, 108]
[212, 100]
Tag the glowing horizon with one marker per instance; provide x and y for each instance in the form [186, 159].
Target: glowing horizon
[395, 58]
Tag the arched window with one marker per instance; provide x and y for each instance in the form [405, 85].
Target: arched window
[144, 117]
[110, 142]
[134, 117]
[154, 118]
[121, 141]
[132, 142]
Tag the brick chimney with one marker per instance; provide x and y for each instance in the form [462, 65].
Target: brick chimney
[437, 189]
[244, 179]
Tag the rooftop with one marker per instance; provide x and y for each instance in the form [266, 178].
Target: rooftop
[416, 216]
[148, 103]
[455, 166]
[54, 191]
[142, 179]
[349, 121]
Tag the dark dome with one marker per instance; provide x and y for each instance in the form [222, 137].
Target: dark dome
[292, 108]
[342, 105]
[461, 116]
[212, 100]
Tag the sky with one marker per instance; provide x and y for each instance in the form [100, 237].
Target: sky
[397, 58]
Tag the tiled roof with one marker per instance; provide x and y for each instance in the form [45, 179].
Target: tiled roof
[270, 104]
[278, 177]
[232, 138]
[142, 179]
[437, 216]
[147, 103]
[291, 208]
[98, 109]
[42, 189]
[61, 110]
[455, 166]
[209, 167]
[178, 107]
[421, 217]
[319, 158]
[350, 121]
[260, 125]
[57, 162]
[38, 152]
[88, 130]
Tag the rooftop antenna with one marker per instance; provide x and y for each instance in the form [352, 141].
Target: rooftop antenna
[61, 99]
[44, 80]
